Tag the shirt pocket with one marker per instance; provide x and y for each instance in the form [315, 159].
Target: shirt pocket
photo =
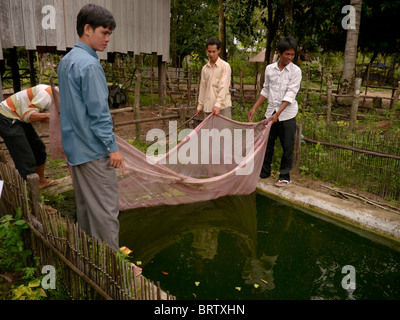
[284, 85]
[216, 79]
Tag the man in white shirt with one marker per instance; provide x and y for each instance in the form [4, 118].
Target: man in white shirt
[282, 83]
[214, 94]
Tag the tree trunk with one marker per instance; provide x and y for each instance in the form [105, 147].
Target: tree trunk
[222, 29]
[350, 55]
[272, 27]
[355, 103]
[288, 12]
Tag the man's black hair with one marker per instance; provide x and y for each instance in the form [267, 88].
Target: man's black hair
[286, 44]
[214, 41]
[95, 16]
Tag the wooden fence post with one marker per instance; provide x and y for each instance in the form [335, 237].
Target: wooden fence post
[297, 149]
[395, 96]
[241, 86]
[190, 80]
[151, 80]
[329, 99]
[257, 85]
[306, 93]
[184, 109]
[392, 102]
[2, 156]
[34, 193]
[138, 81]
[354, 105]
[322, 80]
[162, 87]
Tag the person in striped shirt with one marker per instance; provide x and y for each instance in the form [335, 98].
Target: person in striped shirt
[25, 146]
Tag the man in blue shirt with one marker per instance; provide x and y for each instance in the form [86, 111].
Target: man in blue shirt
[87, 129]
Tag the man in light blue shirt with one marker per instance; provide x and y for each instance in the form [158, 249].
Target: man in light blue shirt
[87, 129]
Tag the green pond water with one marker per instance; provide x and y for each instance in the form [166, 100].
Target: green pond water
[252, 247]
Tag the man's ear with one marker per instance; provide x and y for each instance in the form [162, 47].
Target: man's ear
[88, 29]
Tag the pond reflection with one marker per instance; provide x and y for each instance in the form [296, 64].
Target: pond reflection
[251, 247]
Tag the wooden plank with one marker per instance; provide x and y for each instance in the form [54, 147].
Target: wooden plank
[60, 25]
[51, 34]
[5, 18]
[145, 21]
[29, 24]
[160, 12]
[167, 30]
[137, 28]
[115, 10]
[130, 30]
[17, 23]
[40, 33]
[111, 45]
[154, 26]
[78, 4]
[123, 26]
[70, 25]
[163, 12]
[101, 3]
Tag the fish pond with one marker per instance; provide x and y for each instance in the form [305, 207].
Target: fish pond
[251, 248]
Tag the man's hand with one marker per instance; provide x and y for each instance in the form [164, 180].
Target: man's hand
[216, 111]
[274, 118]
[250, 116]
[199, 112]
[117, 161]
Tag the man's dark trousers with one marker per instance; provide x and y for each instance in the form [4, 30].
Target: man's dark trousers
[25, 146]
[286, 131]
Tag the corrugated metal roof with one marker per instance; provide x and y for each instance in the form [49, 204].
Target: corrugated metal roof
[143, 26]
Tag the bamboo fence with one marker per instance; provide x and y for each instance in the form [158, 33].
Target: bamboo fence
[369, 161]
[88, 268]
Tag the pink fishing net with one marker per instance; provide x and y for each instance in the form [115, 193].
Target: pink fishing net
[220, 157]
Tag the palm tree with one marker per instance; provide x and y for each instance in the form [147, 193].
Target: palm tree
[350, 54]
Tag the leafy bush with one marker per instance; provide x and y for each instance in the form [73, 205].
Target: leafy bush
[12, 252]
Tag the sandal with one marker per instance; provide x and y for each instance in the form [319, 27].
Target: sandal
[282, 183]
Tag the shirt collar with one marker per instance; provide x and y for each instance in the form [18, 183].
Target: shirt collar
[216, 62]
[87, 48]
[287, 67]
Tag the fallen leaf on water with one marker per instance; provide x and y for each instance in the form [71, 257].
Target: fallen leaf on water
[256, 285]
[238, 288]
[165, 273]
[197, 283]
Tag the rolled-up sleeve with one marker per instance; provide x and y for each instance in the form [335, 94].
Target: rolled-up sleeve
[265, 89]
[293, 86]
[40, 103]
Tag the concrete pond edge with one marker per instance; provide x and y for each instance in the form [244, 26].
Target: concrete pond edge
[376, 224]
